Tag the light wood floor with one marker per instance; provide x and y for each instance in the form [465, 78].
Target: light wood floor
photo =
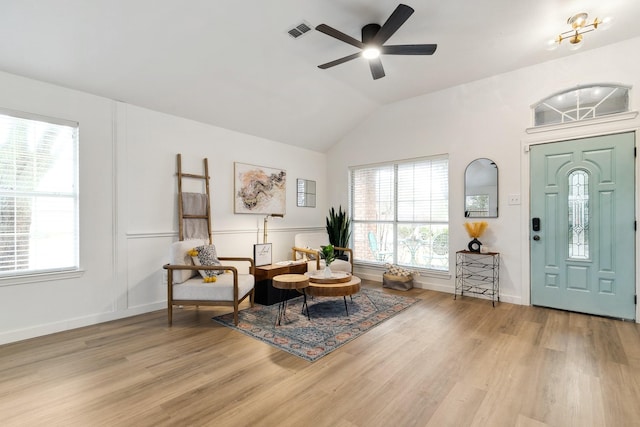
[439, 363]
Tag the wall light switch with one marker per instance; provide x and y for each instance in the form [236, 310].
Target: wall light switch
[514, 199]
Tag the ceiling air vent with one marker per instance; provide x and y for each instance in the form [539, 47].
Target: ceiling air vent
[299, 30]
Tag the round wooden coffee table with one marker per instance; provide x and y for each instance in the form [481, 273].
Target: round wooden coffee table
[339, 285]
[285, 282]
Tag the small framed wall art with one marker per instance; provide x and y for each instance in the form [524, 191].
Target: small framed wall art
[262, 254]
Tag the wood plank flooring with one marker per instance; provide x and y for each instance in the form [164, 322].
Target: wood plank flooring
[439, 363]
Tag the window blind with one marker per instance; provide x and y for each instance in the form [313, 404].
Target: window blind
[400, 213]
[38, 195]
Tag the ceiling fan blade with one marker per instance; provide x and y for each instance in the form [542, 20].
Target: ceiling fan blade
[395, 21]
[323, 28]
[409, 49]
[340, 61]
[376, 68]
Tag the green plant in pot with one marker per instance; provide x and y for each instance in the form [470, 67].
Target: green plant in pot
[339, 230]
[329, 255]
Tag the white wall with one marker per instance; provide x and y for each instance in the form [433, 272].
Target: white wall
[148, 196]
[49, 306]
[128, 211]
[486, 118]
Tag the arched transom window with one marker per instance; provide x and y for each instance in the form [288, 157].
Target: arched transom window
[582, 103]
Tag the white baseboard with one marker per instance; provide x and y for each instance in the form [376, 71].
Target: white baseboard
[68, 324]
[51, 328]
[440, 288]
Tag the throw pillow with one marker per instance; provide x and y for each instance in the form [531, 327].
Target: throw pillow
[396, 270]
[312, 257]
[179, 255]
[206, 255]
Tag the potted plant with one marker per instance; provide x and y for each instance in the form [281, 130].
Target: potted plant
[329, 256]
[339, 229]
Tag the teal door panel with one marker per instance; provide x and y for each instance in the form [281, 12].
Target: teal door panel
[583, 256]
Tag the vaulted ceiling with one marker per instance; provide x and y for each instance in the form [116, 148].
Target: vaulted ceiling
[232, 64]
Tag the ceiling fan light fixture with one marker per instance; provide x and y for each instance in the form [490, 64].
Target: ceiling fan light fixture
[373, 42]
[371, 52]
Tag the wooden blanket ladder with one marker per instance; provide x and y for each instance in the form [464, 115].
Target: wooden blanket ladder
[200, 217]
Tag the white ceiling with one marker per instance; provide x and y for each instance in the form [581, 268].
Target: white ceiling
[232, 64]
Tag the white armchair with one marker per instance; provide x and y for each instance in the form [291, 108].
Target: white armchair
[310, 245]
[228, 289]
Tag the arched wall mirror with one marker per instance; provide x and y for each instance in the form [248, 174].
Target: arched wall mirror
[481, 189]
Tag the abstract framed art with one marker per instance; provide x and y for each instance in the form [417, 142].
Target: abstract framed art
[259, 189]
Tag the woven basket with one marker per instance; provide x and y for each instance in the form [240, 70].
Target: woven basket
[399, 283]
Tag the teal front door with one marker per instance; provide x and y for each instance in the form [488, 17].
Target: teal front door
[582, 225]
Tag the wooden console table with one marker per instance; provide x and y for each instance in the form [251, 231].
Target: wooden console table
[265, 293]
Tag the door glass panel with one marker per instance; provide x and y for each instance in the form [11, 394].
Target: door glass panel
[578, 215]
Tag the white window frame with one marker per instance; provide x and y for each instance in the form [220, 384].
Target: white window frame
[71, 267]
[570, 106]
[391, 250]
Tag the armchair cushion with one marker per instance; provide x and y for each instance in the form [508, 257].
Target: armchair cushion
[179, 255]
[206, 255]
[220, 290]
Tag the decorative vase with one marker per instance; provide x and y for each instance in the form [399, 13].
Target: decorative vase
[474, 245]
[327, 272]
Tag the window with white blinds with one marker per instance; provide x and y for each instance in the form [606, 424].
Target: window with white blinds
[400, 213]
[38, 194]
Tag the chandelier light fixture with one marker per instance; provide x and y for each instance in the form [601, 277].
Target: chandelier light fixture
[579, 25]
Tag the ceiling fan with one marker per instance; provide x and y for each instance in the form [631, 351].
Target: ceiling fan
[373, 38]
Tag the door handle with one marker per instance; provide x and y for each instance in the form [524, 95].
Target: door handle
[536, 237]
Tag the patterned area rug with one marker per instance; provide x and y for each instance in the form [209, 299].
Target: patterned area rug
[329, 327]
